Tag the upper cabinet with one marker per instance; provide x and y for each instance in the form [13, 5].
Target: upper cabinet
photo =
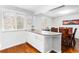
[28, 22]
[20, 21]
[8, 20]
[13, 20]
[41, 22]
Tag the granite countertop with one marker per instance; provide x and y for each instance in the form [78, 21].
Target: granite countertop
[45, 32]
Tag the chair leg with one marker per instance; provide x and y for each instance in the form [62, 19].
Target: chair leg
[74, 43]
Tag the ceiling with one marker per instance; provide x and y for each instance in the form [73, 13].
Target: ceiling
[62, 11]
[36, 9]
[51, 10]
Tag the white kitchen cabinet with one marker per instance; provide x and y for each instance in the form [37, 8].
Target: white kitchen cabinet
[45, 43]
[20, 21]
[8, 20]
[53, 43]
[39, 42]
[11, 39]
[36, 41]
[28, 22]
[14, 20]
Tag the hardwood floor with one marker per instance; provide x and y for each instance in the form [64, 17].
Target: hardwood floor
[73, 50]
[23, 48]
[27, 48]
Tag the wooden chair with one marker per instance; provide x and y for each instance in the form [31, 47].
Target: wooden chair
[69, 41]
[73, 38]
[66, 35]
[53, 29]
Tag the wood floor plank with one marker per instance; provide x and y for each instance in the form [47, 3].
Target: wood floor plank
[23, 48]
[27, 48]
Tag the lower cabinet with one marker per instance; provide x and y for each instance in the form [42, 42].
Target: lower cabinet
[45, 43]
[36, 41]
[11, 39]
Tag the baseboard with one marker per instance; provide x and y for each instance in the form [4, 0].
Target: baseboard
[11, 46]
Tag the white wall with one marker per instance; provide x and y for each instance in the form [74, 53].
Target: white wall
[58, 22]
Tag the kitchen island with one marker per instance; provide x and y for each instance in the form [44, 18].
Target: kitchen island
[45, 41]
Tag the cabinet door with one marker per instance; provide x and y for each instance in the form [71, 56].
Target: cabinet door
[36, 41]
[20, 21]
[28, 22]
[30, 38]
[9, 20]
[39, 42]
[12, 20]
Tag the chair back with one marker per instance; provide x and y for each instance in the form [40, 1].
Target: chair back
[74, 33]
[53, 29]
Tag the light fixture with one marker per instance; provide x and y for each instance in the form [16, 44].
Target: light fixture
[65, 11]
